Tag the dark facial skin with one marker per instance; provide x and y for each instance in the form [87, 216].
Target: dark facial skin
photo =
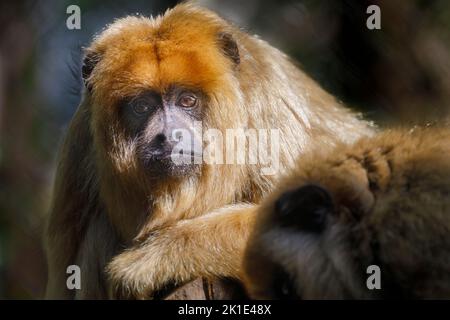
[303, 210]
[163, 124]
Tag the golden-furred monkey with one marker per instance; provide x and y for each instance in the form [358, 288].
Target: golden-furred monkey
[123, 210]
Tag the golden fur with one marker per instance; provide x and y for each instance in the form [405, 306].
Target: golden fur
[391, 208]
[177, 229]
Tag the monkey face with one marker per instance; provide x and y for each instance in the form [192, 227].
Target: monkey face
[154, 84]
[166, 128]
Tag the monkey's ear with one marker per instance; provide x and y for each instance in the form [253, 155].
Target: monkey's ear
[305, 208]
[229, 47]
[90, 60]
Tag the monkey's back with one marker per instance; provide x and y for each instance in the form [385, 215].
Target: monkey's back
[397, 184]
[407, 231]
[388, 206]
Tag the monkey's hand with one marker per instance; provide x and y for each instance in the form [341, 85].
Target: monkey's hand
[211, 245]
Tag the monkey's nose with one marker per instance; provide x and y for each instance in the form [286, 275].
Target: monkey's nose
[160, 146]
[160, 139]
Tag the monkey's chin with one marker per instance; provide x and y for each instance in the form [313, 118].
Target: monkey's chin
[166, 168]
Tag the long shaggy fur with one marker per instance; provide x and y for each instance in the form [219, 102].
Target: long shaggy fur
[391, 208]
[175, 229]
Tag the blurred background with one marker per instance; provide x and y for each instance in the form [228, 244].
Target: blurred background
[400, 73]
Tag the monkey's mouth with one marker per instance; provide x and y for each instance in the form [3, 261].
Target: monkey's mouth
[164, 162]
[177, 158]
[158, 155]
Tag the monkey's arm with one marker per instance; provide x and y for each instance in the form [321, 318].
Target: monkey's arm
[211, 245]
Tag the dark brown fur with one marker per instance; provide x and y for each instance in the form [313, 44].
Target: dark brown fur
[383, 201]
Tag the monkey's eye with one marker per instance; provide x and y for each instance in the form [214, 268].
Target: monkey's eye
[141, 108]
[187, 101]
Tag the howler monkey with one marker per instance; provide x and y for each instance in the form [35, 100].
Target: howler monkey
[123, 210]
[380, 208]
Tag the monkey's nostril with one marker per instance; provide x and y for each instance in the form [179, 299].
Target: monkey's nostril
[160, 138]
[159, 146]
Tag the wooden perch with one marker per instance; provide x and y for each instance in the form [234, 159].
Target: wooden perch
[204, 289]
